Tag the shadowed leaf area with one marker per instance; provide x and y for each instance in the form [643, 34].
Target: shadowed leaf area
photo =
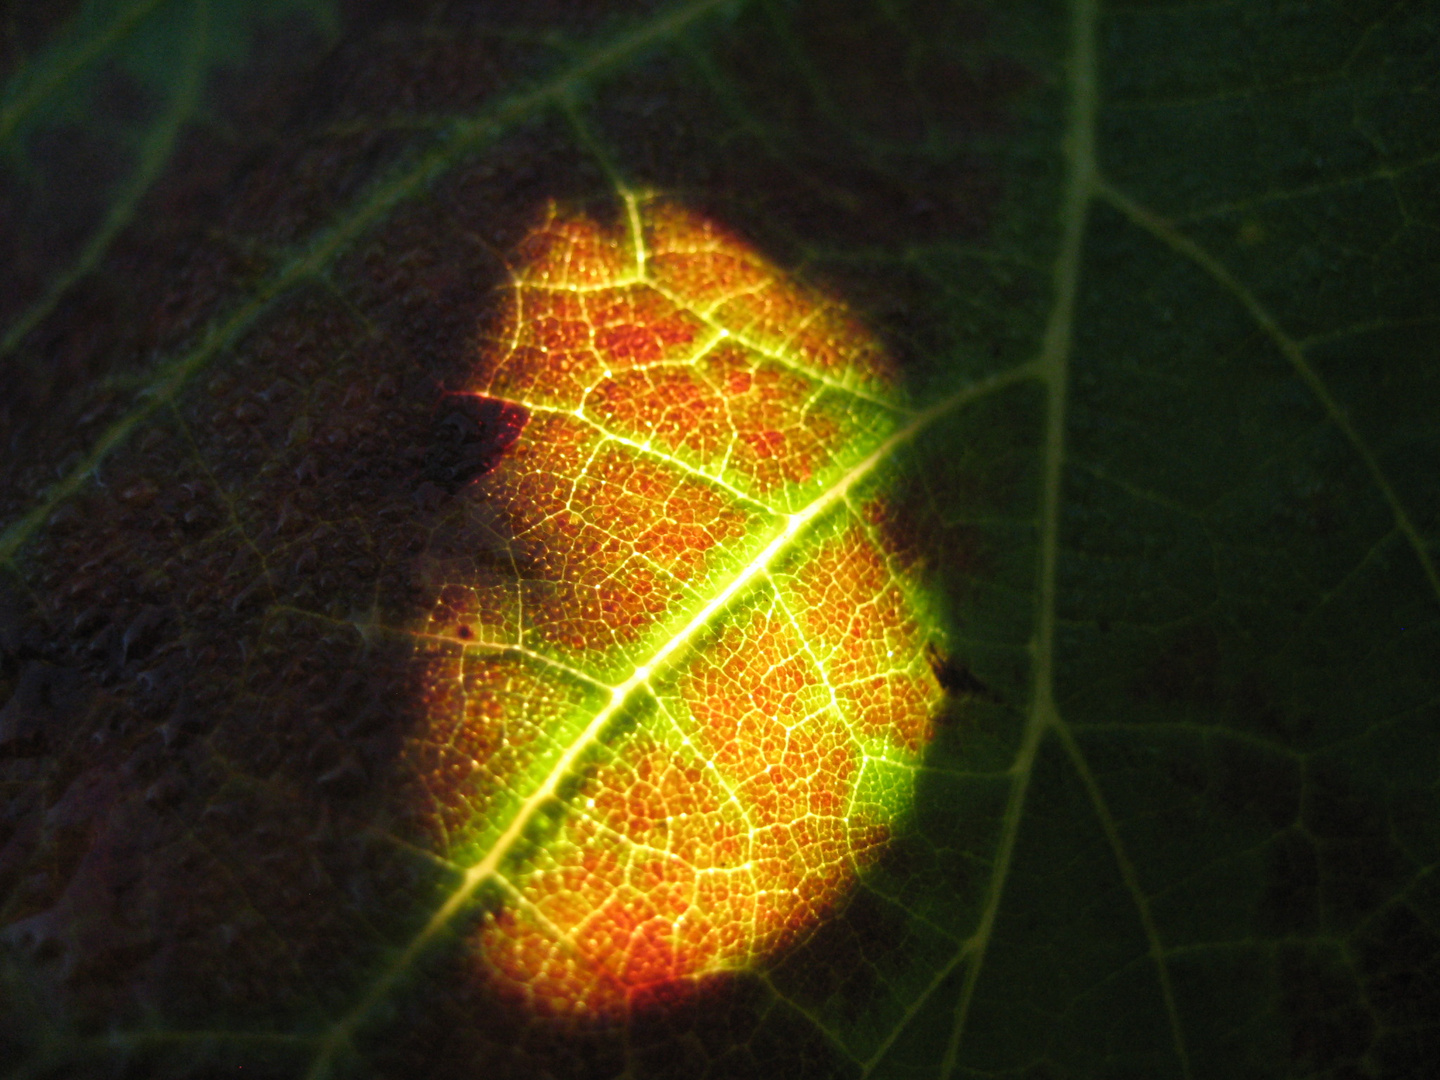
[719, 539]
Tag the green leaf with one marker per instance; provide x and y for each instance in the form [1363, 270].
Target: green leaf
[1161, 277]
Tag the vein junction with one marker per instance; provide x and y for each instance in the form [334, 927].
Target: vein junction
[678, 686]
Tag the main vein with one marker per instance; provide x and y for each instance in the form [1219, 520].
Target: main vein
[1054, 365]
[794, 526]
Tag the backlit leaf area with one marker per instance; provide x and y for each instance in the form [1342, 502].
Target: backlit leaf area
[693, 643]
[891, 538]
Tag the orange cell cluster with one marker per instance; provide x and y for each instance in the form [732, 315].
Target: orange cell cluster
[732, 757]
[705, 267]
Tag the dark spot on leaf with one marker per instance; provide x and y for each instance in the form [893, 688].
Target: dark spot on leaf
[468, 439]
[955, 676]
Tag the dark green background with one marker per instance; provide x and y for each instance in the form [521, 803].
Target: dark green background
[1191, 827]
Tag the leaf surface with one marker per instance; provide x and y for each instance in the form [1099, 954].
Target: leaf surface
[751, 709]
[90, 120]
[441, 464]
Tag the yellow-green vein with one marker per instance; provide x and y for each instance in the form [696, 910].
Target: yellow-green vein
[792, 529]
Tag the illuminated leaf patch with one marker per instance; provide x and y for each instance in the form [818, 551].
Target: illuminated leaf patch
[679, 695]
[270, 804]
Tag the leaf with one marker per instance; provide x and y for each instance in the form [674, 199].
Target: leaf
[688, 691]
[1138, 398]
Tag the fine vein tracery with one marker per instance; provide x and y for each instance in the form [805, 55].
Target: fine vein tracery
[680, 698]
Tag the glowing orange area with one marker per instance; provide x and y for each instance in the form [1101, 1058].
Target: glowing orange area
[678, 685]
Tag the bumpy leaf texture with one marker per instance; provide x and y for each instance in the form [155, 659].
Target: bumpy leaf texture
[760, 539]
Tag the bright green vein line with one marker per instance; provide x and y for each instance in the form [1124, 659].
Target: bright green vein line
[795, 525]
[462, 137]
[68, 66]
[1291, 349]
[154, 153]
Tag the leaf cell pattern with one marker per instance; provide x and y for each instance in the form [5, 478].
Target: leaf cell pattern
[1192, 833]
[683, 695]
